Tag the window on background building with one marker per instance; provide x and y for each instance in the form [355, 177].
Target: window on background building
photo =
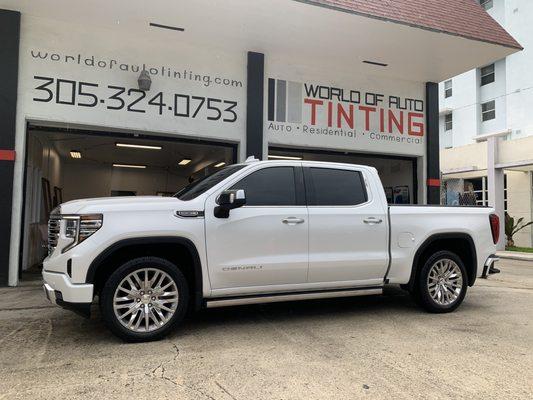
[487, 75]
[505, 192]
[470, 191]
[488, 110]
[480, 186]
[448, 89]
[448, 122]
[486, 4]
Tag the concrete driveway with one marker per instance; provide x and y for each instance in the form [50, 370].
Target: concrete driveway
[375, 347]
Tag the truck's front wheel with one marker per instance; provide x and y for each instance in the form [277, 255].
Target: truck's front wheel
[442, 282]
[144, 299]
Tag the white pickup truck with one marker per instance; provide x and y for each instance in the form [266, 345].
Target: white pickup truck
[257, 232]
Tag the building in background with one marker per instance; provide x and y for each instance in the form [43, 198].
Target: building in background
[129, 97]
[486, 124]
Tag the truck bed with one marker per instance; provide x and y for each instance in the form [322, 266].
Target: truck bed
[412, 225]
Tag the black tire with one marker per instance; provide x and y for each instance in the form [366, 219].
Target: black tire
[421, 291]
[111, 320]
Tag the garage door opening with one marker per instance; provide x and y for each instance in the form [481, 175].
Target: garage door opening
[398, 174]
[63, 165]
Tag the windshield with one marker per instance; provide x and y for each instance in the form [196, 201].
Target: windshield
[196, 188]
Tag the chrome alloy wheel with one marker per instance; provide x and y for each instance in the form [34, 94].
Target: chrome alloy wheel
[145, 300]
[445, 282]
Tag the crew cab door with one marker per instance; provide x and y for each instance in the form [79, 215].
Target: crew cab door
[262, 245]
[348, 229]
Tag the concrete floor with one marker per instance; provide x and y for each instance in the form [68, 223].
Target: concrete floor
[374, 347]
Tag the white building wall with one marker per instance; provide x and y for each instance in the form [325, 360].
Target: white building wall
[499, 9]
[519, 77]
[462, 104]
[519, 204]
[465, 106]
[493, 91]
[512, 91]
[85, 76]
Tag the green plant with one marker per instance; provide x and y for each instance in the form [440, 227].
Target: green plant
[511, 228]
[520, 249]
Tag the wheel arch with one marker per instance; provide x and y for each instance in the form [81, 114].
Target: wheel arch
[167, 247]
[459, 243]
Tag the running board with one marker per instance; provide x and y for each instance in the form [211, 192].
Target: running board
[279, 297]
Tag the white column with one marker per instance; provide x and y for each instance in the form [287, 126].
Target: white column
[495, 183]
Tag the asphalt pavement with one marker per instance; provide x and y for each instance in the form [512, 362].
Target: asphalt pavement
[372, 347]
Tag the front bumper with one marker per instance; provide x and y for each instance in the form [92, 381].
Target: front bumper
[59, 290]
[50, 293]
[488, 265]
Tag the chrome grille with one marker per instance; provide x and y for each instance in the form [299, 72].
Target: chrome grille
[53, 232]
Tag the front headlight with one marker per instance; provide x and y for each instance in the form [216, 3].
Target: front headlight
[80, 227]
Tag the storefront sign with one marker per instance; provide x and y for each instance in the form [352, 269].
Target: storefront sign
[314, 114]
[119, 98]
[92, 80]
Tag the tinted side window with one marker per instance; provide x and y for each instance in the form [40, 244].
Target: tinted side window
[196, 188]
[269, 187]
[335, 187]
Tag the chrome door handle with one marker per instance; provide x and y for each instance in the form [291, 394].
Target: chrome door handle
[372, 220]
[292, 221]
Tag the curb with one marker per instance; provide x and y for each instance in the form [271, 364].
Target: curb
[514, 255]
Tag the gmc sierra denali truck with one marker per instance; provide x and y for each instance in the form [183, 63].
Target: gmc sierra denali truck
[257, 232]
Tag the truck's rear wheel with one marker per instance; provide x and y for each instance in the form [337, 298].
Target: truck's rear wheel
[442, 283]
[144, 299]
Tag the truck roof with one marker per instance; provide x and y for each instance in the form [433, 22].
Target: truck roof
[253, 160]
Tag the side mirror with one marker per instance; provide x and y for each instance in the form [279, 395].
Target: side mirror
[228, 200]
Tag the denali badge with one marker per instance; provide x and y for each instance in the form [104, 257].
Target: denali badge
[242, 268]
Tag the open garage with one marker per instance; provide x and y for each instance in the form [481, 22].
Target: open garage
[66, 164]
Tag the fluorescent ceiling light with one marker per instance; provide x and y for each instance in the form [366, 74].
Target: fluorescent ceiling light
[138, 146]
[75, 154]
[185, 161]
[220, 164]
[129, 166]
[284, 157]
